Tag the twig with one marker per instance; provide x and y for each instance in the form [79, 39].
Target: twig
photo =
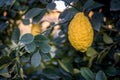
[104, 52]
[106, 27]
[54, 25]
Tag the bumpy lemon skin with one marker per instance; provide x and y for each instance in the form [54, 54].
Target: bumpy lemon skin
[80, 32]
[35, 29]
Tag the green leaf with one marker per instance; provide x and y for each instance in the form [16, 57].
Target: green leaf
[4, 70]
[41, 38]
[87, 4]
[42, 42]
[26, 21]
[111, 71]
[101, 76]
[97, 20]
[91, 52]
[91, 59]
[37, 18]
[4, 73]
[51, 6]
[117, 57]
[63, 66]
[66, 64]
[51, 73]
[87, 73]
[36, 59]
[30, 47]
[91, 4]
[45, 57]
[44, 47]
[27, 38]
[102, 55]
[76, 71]
[94, 6]
[32, 13]
[16, 35]
[4, 61]
[107, 39]
[25, 59]
[21, 73]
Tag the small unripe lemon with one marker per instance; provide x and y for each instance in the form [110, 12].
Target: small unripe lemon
[35, 29]
[80, 32]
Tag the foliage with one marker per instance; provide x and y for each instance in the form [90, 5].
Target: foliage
[45, 57]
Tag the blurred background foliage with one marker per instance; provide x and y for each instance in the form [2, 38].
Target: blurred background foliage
[49, 56]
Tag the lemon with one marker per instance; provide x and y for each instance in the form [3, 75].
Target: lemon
[35, 29]
[80, 32]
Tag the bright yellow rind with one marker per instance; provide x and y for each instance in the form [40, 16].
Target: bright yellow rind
[35, 29]
[80, 32]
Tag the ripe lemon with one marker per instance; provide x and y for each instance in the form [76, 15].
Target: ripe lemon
[35, 29]
[80, 32]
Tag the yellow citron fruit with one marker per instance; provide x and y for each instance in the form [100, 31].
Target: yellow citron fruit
[80, 32]
[35, 29]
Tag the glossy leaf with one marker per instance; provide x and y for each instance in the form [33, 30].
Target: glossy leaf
[21, 59]
[42, 42]
[25, 59]
[63, 66]
[91, 4]
[117, 57]
[94, 6]
[27, 38]
[41, 38]
[91, 52]
[101, 76]
[30, 47]
[45, 57]
[32, 13]
[66, 16]
[26, 21]
[97, 21]
[107, 39]
[36, 59]
[87, 73]
[51, 73]
[87, 4]
[76, 71]
[51, 6]
[111, 71]
[21, 73]
[37, 18]
[4, 73]
[44, 47]
[16, 35]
